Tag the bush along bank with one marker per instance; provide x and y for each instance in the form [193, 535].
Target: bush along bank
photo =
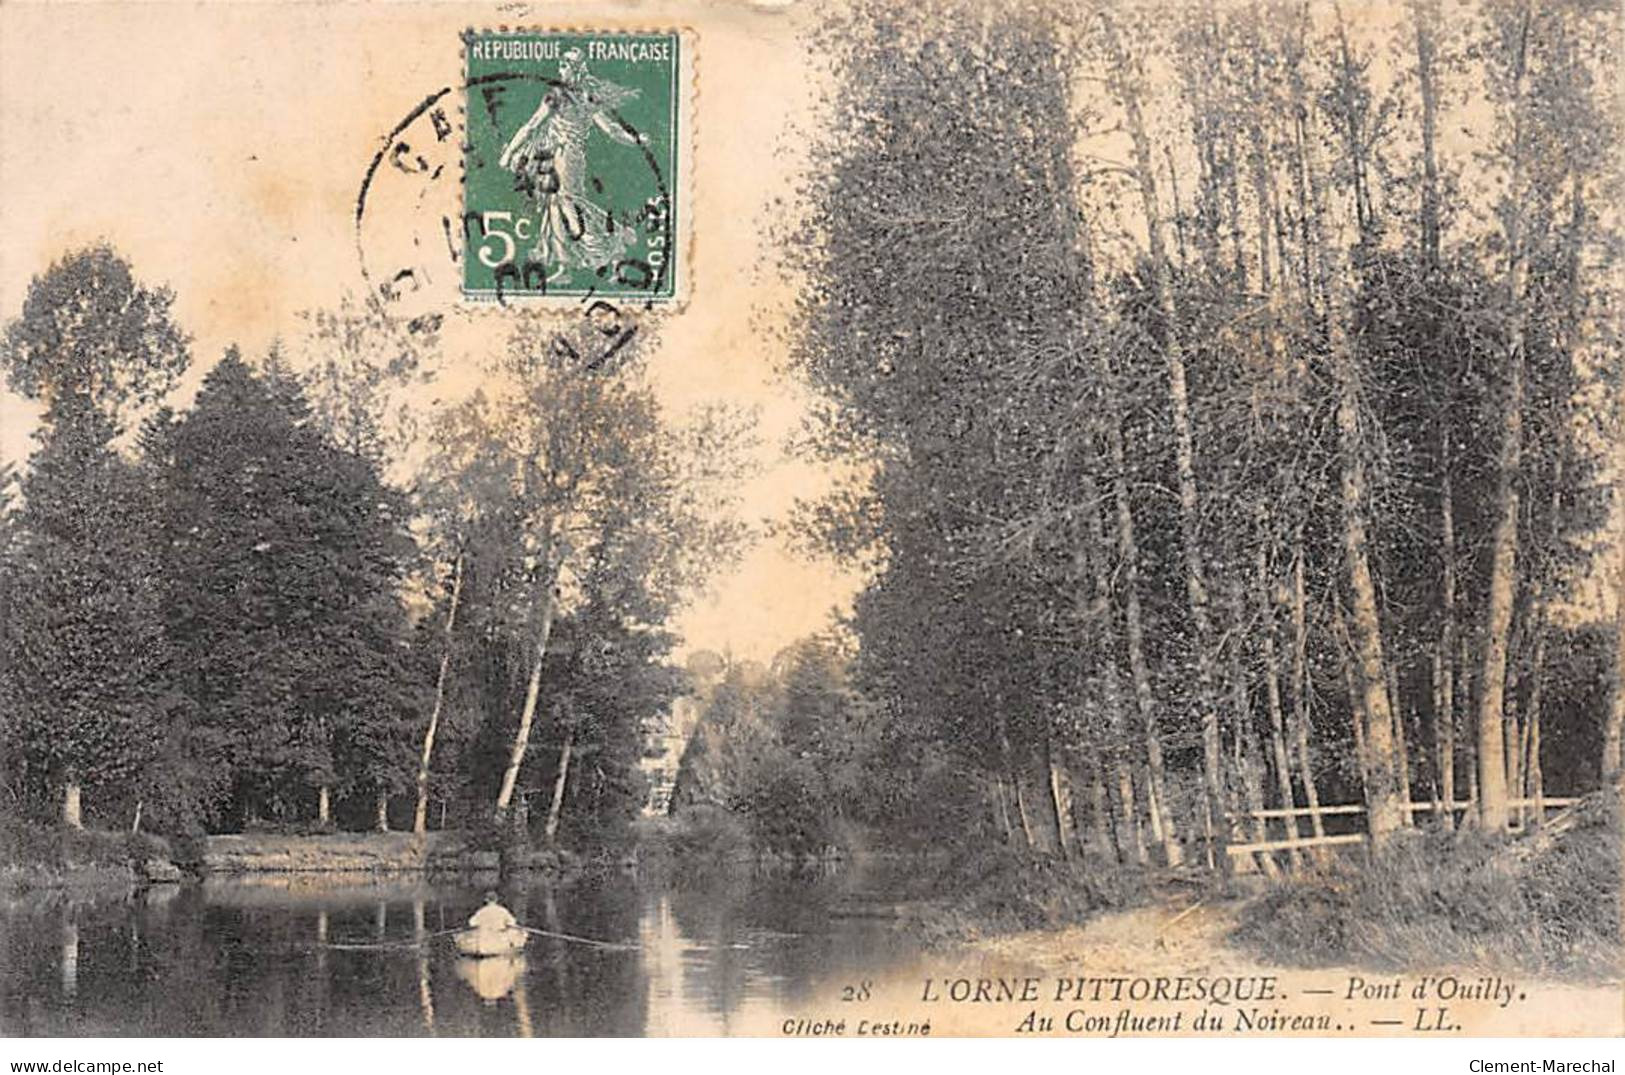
[43, 856]
[1547, 902]
[706, 835]
[998, 890]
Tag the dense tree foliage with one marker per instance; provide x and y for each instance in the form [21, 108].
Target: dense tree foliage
[232, 617]
[1221, 396]
[86, 658]
[285, 552]
[1232, 433]
[783, 748]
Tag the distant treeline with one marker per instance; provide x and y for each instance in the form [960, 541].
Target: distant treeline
[228, 616]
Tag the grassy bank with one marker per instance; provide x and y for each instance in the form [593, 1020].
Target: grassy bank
[995, 890]
[45, 856]
[1544, 903]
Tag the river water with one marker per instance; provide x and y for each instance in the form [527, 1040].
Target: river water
[292, 955]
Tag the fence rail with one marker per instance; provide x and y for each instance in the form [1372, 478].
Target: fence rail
[1295, 841]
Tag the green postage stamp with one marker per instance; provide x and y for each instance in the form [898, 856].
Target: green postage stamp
[571, 169]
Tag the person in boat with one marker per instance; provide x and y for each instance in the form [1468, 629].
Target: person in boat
[492, 917]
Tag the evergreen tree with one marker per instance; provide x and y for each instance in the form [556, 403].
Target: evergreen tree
[86, 664]
[285, 552]
[87, 656]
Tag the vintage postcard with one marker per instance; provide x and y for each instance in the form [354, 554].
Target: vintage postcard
[797, 520]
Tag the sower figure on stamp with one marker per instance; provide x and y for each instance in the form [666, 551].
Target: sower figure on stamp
[548, 157]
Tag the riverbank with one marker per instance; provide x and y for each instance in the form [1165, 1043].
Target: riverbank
[39, 856]
[1193, 937]
[1547, 902]
[342, 852]
[996, 891]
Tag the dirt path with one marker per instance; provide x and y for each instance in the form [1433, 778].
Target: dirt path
[1187, 934]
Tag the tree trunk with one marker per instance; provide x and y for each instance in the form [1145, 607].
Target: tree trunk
[556, 807]
[1444, 746]
[1100, 833]
[1373, 704]
[1264, 194]
[1046, 825]
[1466, 746]
[1534, 779]
[1469, 746]
[1351, 683]
[1248, 766]
[1021, 812]
[1425, 13]
[1001, 808]
[381, 812]
[1402, 754]
[1270, 339]
[1445, 712]
[1512, 734]
[1184, 454]
[324, 804]
[1300, 685]
[1100, 616]
[1492, 777]
[1433, 680]
[521, 738]
[1272, 684]
[1612, 761]
[1518, 777]
[1304, 269]
[1128, 555]
[1128, 820]
[1252, 780]
[1492, 785]
[72, 816]
[1059, 806]
[420, 817]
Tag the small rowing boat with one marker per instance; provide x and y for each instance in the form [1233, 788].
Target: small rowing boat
[490, 942]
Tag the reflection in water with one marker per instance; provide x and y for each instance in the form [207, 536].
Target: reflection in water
[521, 1004]
[662, 966]
[420, 935]
[160, 896]
[312, 956]
[70, 959]
[491, 977]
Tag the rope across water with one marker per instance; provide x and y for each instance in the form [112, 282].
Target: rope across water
[417, 942]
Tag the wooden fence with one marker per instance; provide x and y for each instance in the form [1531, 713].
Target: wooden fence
[1295, 840]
